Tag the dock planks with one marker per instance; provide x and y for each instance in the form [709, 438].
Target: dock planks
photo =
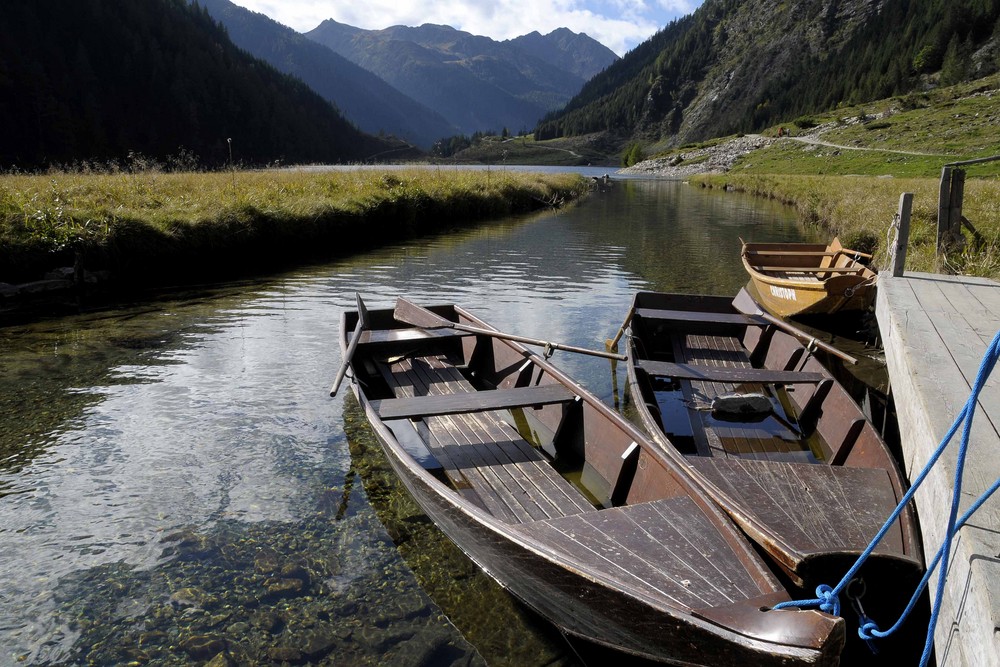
[935, 330]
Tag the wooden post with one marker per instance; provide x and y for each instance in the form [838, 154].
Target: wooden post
[944, 208]
[898, 250]
[956, 239]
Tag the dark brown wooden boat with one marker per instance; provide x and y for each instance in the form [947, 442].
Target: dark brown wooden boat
[630, 554]
[773, 438]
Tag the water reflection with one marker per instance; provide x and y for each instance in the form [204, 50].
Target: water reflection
[178, 485]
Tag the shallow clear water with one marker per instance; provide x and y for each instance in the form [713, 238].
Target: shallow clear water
[176, 482]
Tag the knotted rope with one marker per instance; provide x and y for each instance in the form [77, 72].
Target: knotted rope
[828, 599]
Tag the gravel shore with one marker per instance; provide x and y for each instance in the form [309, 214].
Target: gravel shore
[710, 160]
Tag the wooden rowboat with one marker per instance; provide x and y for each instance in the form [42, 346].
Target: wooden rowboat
[630, 554]
[773, 438]
[809, 278]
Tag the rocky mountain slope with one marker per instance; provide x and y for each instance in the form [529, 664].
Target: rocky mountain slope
[742, 65]
[365, 99]
[115, 80]
[476, 83]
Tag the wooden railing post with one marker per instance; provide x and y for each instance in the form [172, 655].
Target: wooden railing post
[956, 240]
[898, 251]
[944, 208]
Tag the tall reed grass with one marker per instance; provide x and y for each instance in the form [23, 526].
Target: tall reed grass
[140, 221]
[860, 209]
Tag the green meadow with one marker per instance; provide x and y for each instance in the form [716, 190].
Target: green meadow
[153, 226]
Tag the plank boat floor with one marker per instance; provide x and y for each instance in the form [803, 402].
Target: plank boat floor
[481, 451]
[819, 508]
[664, 548]
[735, 439]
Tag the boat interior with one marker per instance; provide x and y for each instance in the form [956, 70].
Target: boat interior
[806, 262]
[691, 360]
[497, 428]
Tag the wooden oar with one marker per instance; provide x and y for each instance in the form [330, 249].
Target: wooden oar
[355, 339]
[612, 343]
[421, 317]
[745, 304]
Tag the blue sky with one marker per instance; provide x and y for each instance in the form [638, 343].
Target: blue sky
[618, 24]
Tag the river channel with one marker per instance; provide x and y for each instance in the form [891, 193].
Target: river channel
[177, 486]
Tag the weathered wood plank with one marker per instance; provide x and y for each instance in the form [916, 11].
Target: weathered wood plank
[698, 317]
[481, 451]
[731, 374]
[793, 253]
[815, 508]
[727, 355]
[808, 269]
[664, 547]
[377, 336]
[935, 331]
[478, 401]
[542, 484]
[485, 457]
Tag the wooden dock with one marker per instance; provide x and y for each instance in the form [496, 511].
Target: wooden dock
[935, 330]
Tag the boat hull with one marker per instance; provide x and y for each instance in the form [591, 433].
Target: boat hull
[567, 584]
[813, 506]
[586, 609]
[792, 279]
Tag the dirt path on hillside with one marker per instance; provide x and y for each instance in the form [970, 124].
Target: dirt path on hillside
[721, 157]
[813, 139]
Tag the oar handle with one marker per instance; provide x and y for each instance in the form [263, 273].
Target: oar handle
[812, 340]
[539, 342]
[355, 339]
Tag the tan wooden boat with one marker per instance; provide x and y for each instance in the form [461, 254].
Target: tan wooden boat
[792, 279]
[564, 502]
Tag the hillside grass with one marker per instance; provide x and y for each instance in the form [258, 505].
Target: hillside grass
[853, 188]
[594, 150]
[155, 226]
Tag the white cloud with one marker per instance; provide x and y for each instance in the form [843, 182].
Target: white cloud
[618, 24]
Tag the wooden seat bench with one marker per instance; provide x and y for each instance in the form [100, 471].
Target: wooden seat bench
[808, 269]
[378, 336]
[710, 373]
[483, 456]
[689, 317]
[477, 401]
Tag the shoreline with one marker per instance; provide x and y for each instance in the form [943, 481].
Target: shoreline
[70, 236]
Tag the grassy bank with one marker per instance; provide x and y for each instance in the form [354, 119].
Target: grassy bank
[847, 168]
[860, 210]
[152, 227]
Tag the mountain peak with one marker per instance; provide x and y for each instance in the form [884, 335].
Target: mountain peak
[475, 82]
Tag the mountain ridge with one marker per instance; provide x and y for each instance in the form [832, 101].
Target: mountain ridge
[105, 79]
[739, 66]
[365, 99]
[473, 81]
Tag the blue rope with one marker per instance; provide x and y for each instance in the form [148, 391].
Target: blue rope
[828, 599]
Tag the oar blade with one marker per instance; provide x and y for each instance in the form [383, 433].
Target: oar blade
[411, 313]
[746, 304]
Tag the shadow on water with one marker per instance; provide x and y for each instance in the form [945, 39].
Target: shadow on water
[504, 632]
[326, 590]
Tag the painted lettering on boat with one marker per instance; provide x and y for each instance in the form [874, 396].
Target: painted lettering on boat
[786, 293]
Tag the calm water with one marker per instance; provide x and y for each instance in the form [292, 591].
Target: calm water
[177, 484]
